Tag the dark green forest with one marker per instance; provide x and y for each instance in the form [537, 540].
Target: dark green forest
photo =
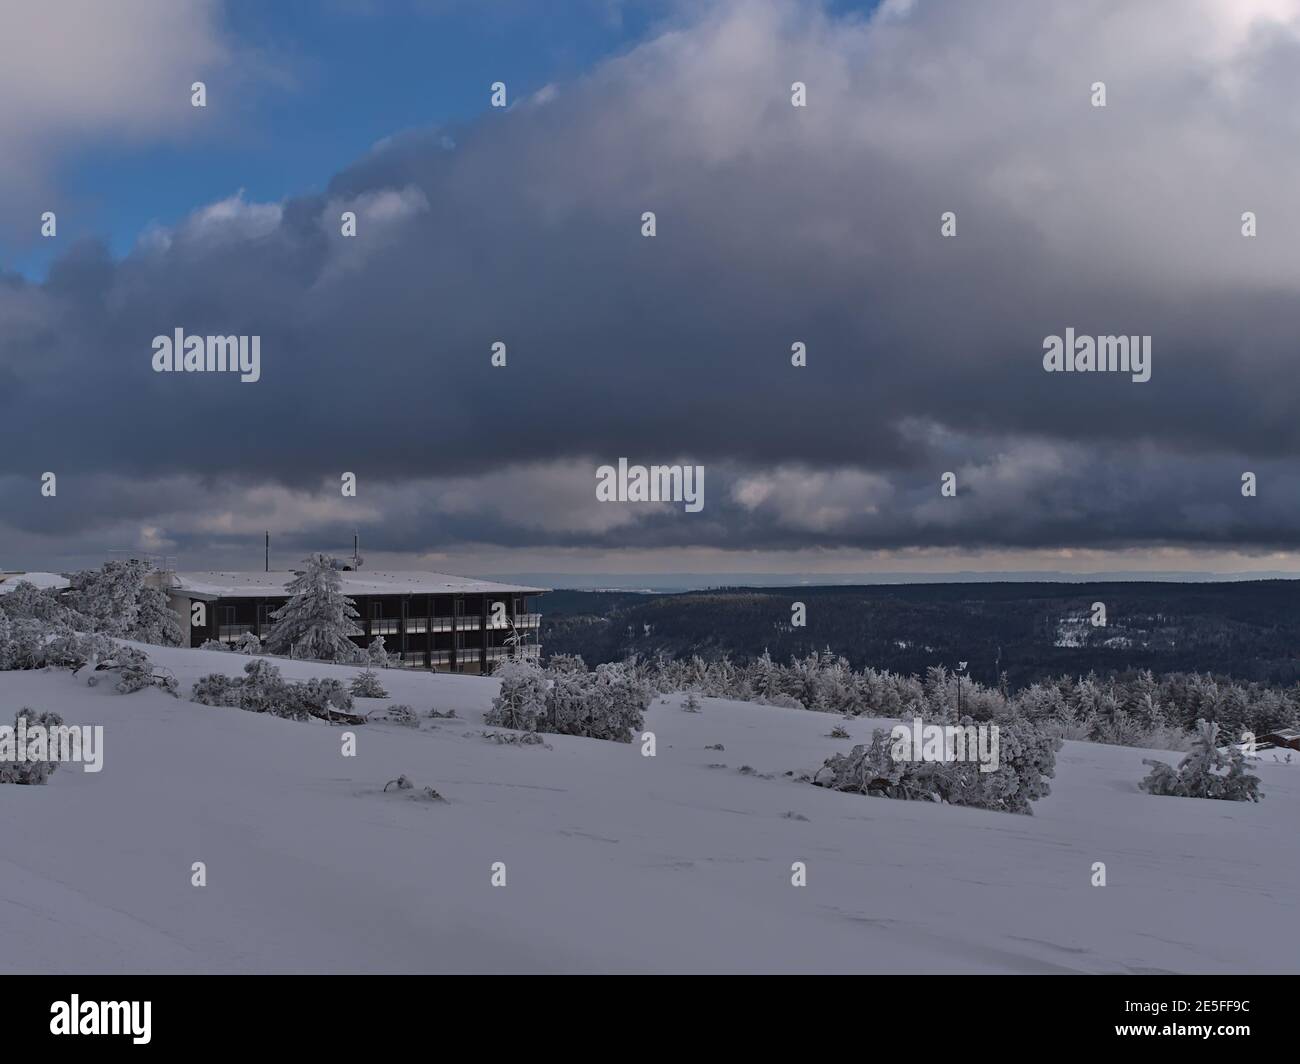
[1248, 630]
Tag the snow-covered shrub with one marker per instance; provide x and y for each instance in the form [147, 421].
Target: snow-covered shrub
[318, 619]
[135, 672]
[73, 650]
[248, 643]
[605, 704]
[521, 703]
[691, 704]
[262, 689]
[782, 701]
[376, 654]
[839, 732]
[1027, 760]
[215, 644]
[565, 663]
[30, 773]
[436, 715]
[403, 715]
[1206, 772]
[317, 697]
[216, 689]
[516, 739]
[367, 685]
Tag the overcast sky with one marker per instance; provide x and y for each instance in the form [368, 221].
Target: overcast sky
[775, 224]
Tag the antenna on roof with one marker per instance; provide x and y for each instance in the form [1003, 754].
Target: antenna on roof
[268, 550]
[356, 558]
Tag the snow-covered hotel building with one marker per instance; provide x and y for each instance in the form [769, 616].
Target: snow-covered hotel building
[432, 620]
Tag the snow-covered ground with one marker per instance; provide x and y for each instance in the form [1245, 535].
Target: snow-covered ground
[615, 862]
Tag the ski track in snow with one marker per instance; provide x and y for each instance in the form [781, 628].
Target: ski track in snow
[615, 862]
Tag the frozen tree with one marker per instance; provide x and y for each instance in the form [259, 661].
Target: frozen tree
[26, 600]
[135, 672]
[403, 715]
[31, 773]
[117, 599]
[376, 654]
[1206, 772]
[6, 641]
[367, 685]
[618, 705]
[262, 689]
[248, 643]
[320, 698]
[1027, 760]
[318, 619]
[566, 663]
[691, 704]
[155, 621]
[522, 702]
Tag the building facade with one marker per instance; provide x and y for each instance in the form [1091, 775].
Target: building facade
[432, 620]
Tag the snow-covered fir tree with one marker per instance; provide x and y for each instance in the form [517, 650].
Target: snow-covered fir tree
[118, 600]
[367, 685]
[376, 654]
[318, 619]
[1209, 771]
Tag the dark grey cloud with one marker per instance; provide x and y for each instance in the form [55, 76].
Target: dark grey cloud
[775, 224]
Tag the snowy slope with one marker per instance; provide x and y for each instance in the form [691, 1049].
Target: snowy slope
[615, 862]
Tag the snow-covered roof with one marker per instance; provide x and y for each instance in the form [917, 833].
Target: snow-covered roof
[9, 581]
[410, 582]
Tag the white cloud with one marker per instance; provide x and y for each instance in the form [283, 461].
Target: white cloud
[78, 72]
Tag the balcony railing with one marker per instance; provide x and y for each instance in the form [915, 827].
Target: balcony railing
[521, 620]
[424, 625]
[506, 653]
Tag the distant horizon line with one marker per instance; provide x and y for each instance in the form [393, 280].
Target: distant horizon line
[681, 581]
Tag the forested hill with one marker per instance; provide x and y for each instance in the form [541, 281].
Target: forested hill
[1249, 630]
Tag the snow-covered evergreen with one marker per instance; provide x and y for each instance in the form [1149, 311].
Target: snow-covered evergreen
[367, 685]
[1206, 772]
[318, 619]
[606, 704]
[1027, 761]
[521, 703]
[263, 689]
[30, 773]
[376, 654]
[118, 600]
